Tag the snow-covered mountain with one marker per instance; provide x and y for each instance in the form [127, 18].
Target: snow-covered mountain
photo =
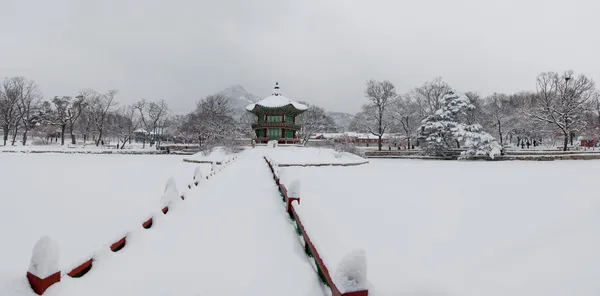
[239, 98]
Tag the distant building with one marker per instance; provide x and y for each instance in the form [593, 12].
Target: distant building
[276, 118]
[360, 139]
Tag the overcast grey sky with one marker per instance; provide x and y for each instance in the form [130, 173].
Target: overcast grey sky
[321, 51]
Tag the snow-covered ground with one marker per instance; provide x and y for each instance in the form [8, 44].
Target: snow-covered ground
[217, 155]
[459, 228]
[83, 202]
[230, 236]
[80, 148]
[309, 156]
[427, 227]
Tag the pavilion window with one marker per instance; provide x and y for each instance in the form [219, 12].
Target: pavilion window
[274, 118]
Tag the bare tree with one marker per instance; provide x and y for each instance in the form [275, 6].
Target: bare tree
[127, 121]
[562, 101]
[101, 105]
[212, 121]
[9, 98]
[430, 95]
[60, 115]
[379, 95]
[314, 119]
[152, 116]
[499, 114]
[28, 108]
[405, 116]
[361, 121]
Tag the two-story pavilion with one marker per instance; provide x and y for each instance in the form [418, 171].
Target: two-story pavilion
[276, 118]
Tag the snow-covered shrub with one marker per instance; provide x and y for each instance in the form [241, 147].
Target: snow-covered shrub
[351, 272]
[479, 142]
[348, 147]
[44, 258]
[171, 194]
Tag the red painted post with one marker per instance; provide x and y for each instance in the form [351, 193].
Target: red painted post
[118, 245]
[147, 224]
[315, 253]
[43, 270]
[40, 286]
[289, 203]
[81, 269]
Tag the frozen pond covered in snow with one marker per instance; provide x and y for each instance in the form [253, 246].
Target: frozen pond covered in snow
[460, 228]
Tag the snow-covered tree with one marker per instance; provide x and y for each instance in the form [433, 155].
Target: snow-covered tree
[444, 130]
[405, 117]
[152, 119]
[478, 142]
[380, 95]
[430, 95]
[212, 121]
[314, 120]
[562, 102]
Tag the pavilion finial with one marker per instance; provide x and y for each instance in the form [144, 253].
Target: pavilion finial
[276, 91]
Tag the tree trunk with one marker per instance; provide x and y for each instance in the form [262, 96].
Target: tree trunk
[5, 131]
[62, 134]
[84, 139]
[571, 136]
[72, 134]
[566, 142]
[14, 139]
[24, 137]
[99, 137]
[500, 131]
[408, 148]
[379, 142]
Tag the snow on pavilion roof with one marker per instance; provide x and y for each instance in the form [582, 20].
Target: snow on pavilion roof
[276, 100]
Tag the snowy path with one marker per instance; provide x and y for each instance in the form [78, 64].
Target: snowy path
[231, 236]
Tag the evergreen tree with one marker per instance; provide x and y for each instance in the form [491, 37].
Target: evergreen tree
[444, 131]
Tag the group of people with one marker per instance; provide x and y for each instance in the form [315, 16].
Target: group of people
[526, 142]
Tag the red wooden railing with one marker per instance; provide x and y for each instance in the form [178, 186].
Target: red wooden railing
[39, 285]
[309, 247]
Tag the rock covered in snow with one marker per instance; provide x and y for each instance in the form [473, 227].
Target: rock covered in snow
[351, 272]
[198, 173]
[171, 194]
[44, 258]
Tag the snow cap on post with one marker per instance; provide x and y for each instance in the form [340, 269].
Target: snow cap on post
[170, 195]
[294, 189]
[44, 258]
[351, 273]
[197, 174]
